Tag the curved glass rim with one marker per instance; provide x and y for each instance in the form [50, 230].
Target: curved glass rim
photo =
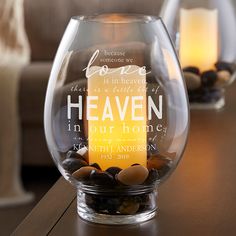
[117, 18]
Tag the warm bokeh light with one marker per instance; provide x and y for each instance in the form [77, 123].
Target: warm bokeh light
[199, 38]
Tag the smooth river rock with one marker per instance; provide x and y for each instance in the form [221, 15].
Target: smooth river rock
[193, 81]
[129, 208]
[84, 172]
[73, 164]
[223, 78]
[133, 175]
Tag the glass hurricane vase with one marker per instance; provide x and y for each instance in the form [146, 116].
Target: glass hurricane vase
[116, 114]
[204, 34]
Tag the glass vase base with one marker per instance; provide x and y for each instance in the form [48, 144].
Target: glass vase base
[117, 209]
[116, 220]
[219, 104]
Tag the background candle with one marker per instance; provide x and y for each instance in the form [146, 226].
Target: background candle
[199, 38]
[118, 140]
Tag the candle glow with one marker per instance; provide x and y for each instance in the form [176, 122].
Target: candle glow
[199, 38]
[120, 144]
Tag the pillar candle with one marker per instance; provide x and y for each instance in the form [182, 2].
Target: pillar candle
[199, 38]
[116, 111]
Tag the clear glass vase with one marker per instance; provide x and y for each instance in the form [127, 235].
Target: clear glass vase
[116, 114]
[204, 34]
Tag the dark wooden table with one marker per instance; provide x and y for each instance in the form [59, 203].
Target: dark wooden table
[198, 199]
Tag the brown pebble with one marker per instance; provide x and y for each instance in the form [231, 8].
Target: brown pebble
[223, 65]
[193, 81]
[223, 78]
[157, 162]
[133, 175]
[129, 207]
[83, 172]
[101, 178]
[83, 152]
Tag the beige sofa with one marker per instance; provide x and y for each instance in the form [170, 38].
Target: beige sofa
[45, 23]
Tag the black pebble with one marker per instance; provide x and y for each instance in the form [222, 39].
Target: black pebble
[89, 200]
[205, 95]
[136, 164]
[224, 66]
[103, 204]
[209, 78]
[73, 164]
[101, 178]
[152, 177]
[145, 203]
[194, 96]
[113, 171]
[213, 95]
[113, 205]
[216, 94]
[192, 69]
[138, 199]
[96, 166]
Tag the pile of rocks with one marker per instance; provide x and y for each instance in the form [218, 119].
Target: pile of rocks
[206, 87]
[120, 204]
[91, 174]
[122, 182]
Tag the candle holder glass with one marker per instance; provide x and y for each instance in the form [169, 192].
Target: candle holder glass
[116, 114]
[204, 34]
